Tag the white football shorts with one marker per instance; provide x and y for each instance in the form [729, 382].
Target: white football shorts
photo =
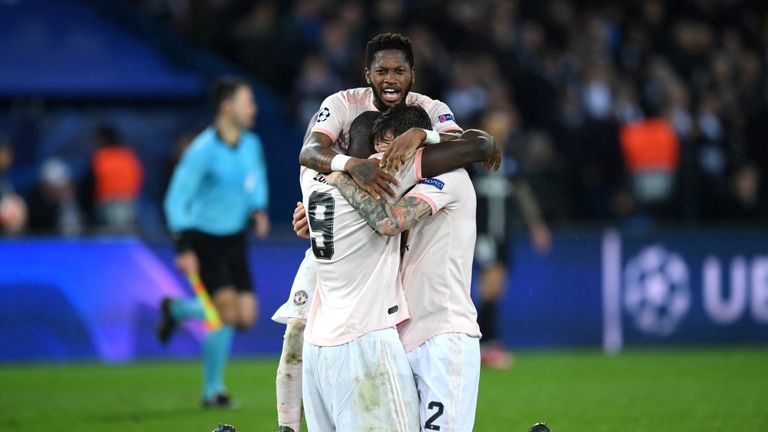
[447, 372]
[363, 385]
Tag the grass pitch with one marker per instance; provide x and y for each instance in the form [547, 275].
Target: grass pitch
[679, 390]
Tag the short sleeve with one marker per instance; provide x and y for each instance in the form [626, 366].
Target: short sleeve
[330, 119]
[442, 117]
[408, 175]
[443, 190]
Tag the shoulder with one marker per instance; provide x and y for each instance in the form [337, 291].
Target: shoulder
[455, 180]
[356, 97]
[203, 143]
[425, 101]
[352, 95]
[437, 109]
[251, 138]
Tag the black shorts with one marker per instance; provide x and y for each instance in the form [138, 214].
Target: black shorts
[494, 231]
[223, 261]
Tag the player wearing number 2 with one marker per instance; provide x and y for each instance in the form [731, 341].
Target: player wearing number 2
[442, 336]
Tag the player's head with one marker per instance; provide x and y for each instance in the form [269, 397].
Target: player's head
[397, 120]
[360, 135]
[232, 99]
[389, 68]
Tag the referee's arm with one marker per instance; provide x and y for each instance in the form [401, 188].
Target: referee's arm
[259, 199]
[186, 179]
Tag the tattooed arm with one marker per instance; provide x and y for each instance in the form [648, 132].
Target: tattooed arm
[317, 155]
[387, 219]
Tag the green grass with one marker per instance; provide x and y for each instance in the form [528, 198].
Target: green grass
[690, 390]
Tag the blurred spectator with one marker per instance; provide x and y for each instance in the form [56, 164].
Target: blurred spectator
[53, 203]
[579, 72]
[746, 203]
[6, 162]
[117, 177]
[13, 209]
[651, 153]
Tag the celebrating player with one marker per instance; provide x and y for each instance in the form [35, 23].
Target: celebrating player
[219, 185]
[442, 336]
[389, 72]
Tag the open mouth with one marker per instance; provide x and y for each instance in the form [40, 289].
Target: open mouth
[390, 95]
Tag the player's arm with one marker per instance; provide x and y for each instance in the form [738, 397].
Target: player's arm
[472, 145]
[387, 219]
[318, 155]
[445, 129]
[541, 238]
[391, 219]
[187, 176]
[406, 144]
[259, 199]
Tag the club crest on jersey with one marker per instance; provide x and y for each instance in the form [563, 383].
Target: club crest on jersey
[445, 117]
[434, 182]
[300, 298]
[324, 114]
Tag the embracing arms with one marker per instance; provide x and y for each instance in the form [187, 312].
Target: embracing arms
[317, 155]
[392, 219]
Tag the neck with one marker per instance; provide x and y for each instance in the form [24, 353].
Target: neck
[229, 132]
[379, 104]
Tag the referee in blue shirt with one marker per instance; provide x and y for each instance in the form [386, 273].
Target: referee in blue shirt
[218, 187]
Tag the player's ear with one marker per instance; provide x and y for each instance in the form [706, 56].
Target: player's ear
[367, 75]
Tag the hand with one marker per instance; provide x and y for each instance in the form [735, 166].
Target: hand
[262, 225]
[334, 178]
[402, 148]
[300, 222]
[493, 162]
[187, 263]
[541, 238]
[370, 177]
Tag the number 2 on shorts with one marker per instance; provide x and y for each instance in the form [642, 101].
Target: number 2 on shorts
[432, 405]
[322, 208]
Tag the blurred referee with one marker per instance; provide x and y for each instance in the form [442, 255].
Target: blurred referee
[219, 185]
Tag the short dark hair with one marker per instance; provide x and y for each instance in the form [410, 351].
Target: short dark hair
[387, 41]
[224, 88]
[361, 135]
[399, 119]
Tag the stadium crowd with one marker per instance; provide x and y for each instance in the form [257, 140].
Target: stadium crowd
[623, 111]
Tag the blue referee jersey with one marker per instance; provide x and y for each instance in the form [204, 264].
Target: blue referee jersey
[215, 187]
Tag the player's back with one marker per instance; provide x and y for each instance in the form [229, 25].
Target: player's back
[437, 266]
[357, 269]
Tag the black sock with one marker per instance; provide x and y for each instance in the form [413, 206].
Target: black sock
[487, 319]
